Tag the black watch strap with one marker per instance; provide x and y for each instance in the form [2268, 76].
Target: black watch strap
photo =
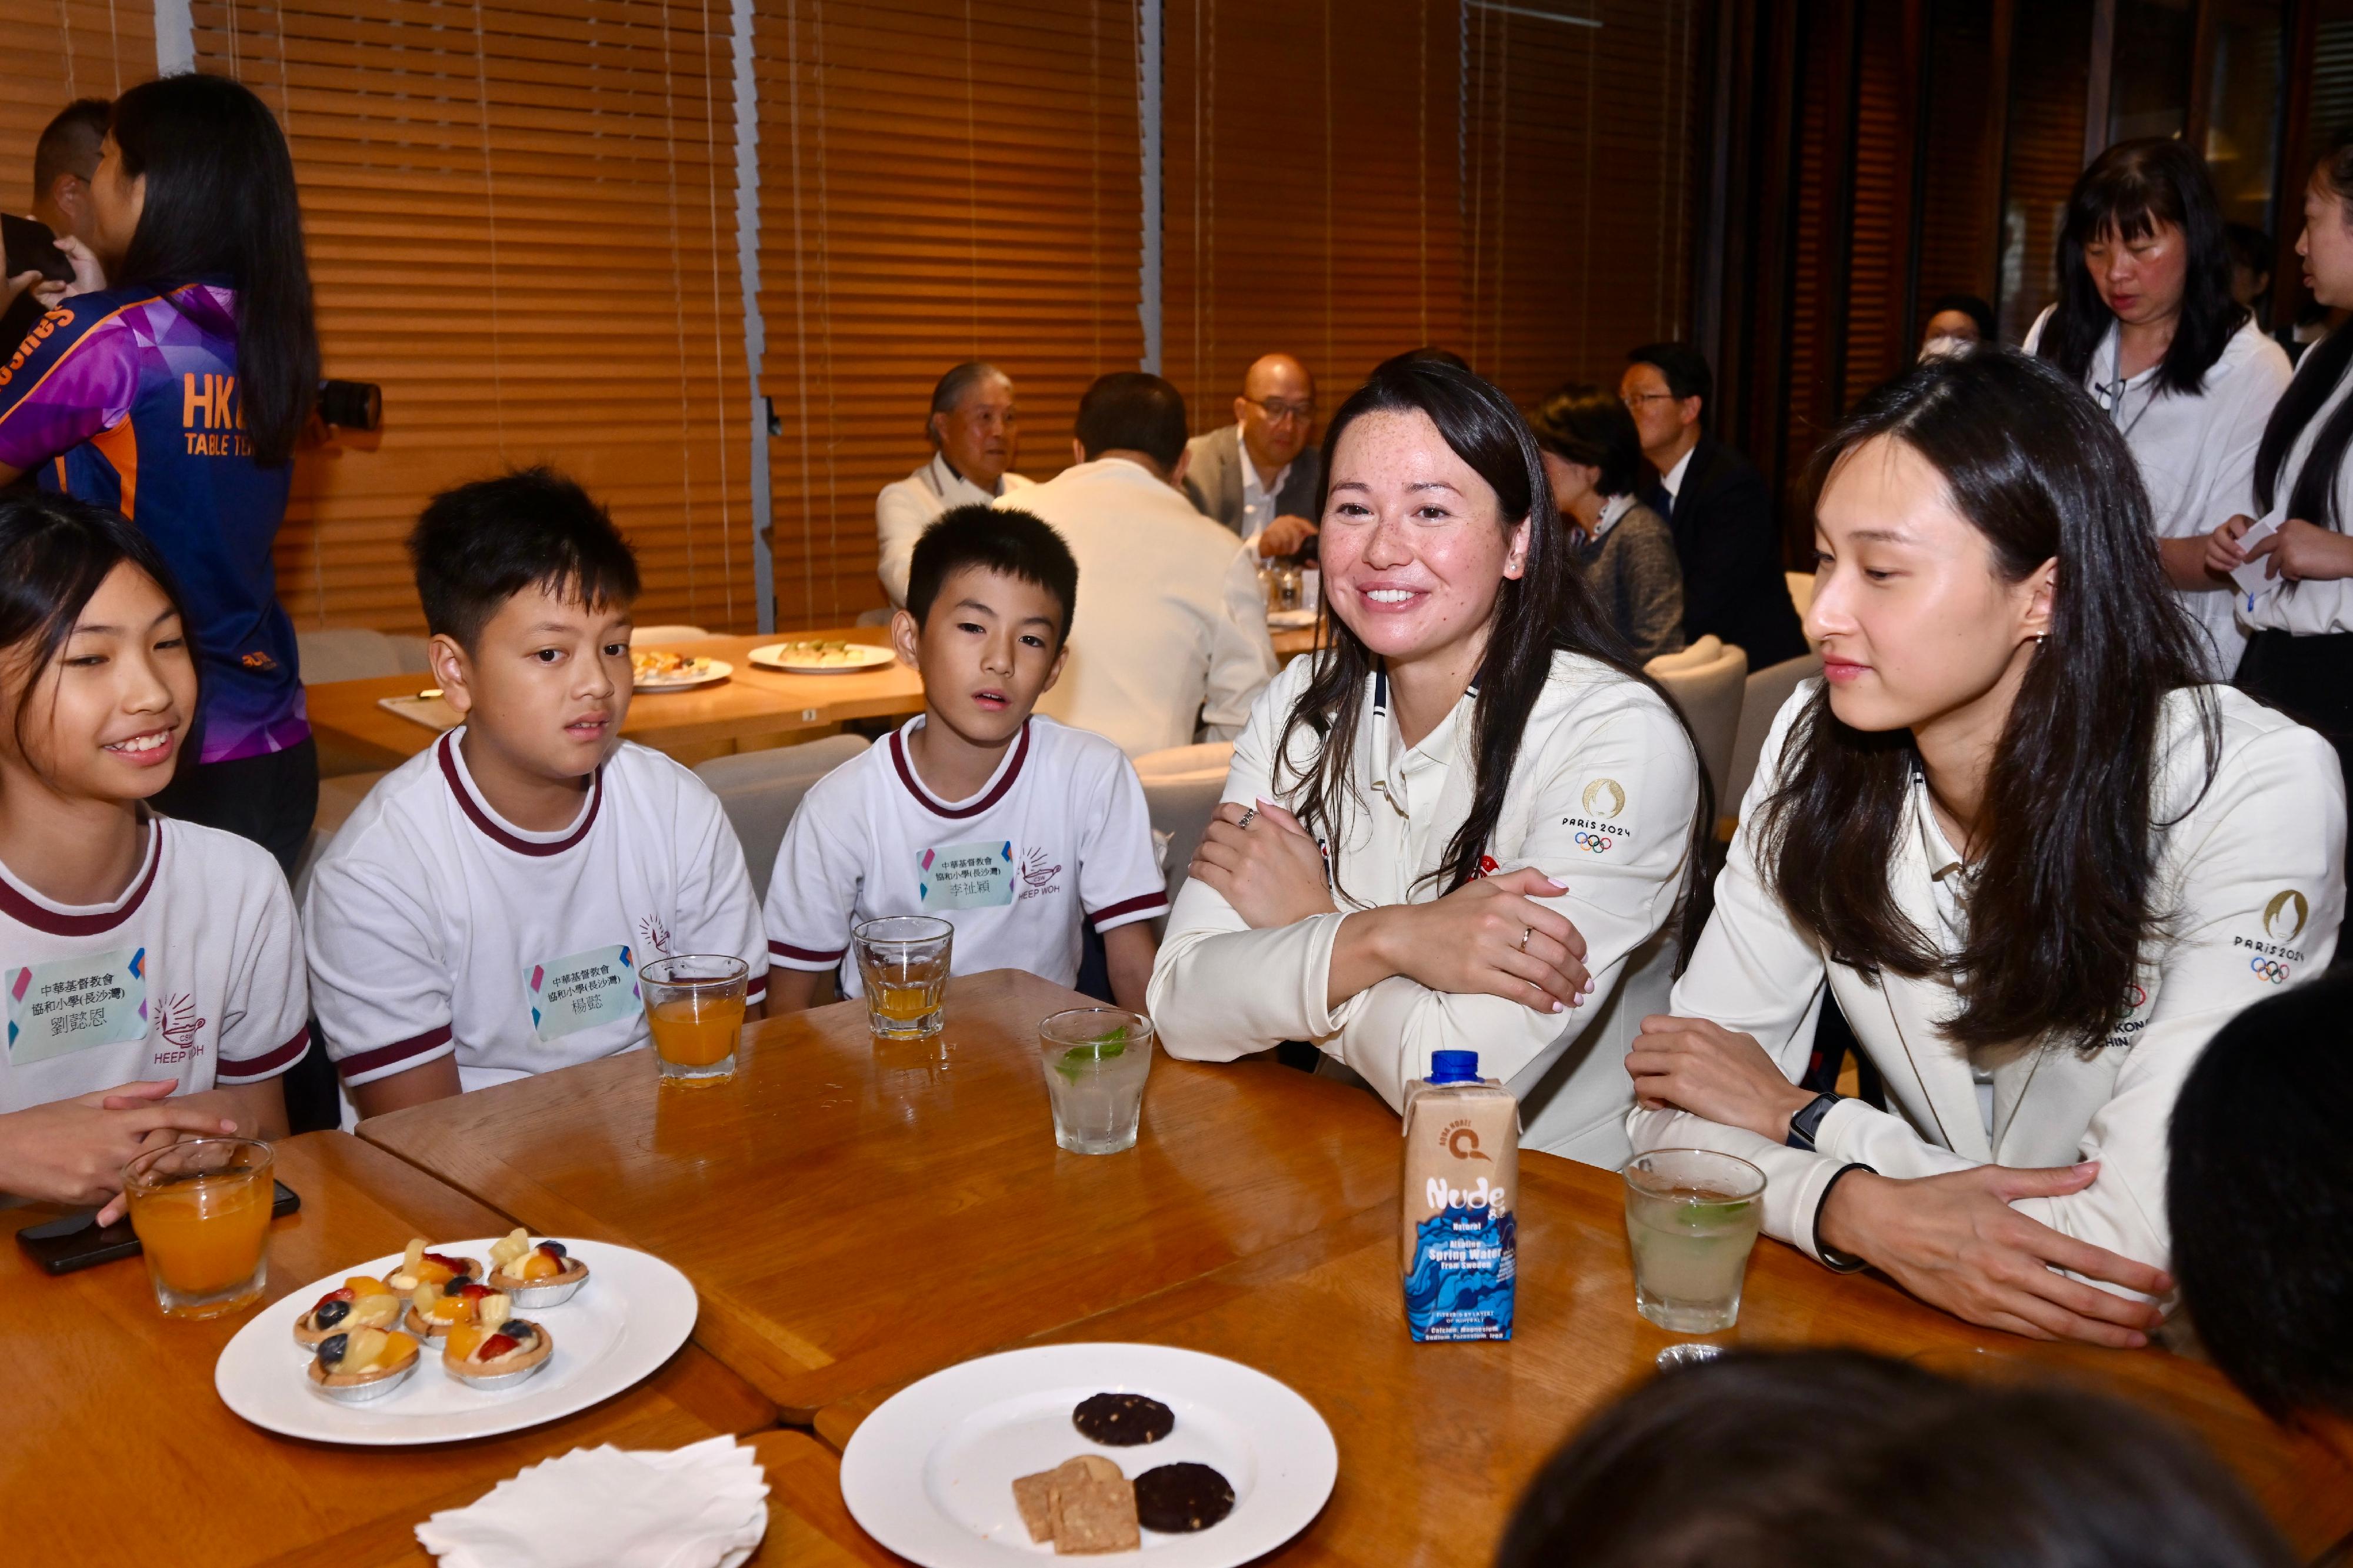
[1807, 1122]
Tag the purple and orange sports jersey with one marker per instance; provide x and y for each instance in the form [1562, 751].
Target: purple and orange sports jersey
[127, 398]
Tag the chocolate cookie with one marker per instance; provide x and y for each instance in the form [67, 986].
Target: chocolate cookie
[1123, 1420]
[1177, 1498]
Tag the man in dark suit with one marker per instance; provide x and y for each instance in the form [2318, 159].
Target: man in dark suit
[1717, 507]
[1259, 475]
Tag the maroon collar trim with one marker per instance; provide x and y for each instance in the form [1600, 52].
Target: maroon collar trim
[40, 918]
[445, 752]
[958, 813]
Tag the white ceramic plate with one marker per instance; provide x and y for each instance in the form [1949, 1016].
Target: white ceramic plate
[621, 1325]
[798, 659]
[930, 1474]
[717, 670]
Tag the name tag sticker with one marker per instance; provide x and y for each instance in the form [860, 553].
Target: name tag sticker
[72, 1003]
[583, 990]
[966, 875]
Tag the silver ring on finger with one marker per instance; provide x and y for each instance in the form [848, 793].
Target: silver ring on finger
[1250, 815]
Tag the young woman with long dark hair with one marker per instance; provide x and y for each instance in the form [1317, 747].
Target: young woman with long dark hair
[170, 388]
[2037, 861]
[2300, 655]
[1470, 821]
[2146, 322]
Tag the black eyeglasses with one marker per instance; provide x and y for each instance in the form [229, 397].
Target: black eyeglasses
[1276, 412]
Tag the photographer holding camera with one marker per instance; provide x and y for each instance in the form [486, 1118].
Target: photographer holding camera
[171, 384]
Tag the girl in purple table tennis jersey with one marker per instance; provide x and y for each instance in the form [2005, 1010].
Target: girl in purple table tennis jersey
[170, 385]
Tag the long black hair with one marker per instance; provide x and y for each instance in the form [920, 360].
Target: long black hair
[2325, 365]
[221, 201]
[54, 552]
[1837, 1459]
[2063, 892]
[2130, 189]
[1547, 608]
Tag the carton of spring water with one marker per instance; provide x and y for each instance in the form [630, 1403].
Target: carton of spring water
[1461, 1182]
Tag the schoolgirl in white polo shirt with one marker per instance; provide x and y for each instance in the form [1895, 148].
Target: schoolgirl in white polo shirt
[483, 915]
[1013, 828]
[151, 968]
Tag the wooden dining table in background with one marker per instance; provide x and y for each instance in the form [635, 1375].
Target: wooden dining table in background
[855, 1213]
[120, 1450]
[751, 708]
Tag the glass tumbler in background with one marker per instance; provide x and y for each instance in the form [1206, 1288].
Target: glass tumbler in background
[694, 1005]
[201, 1210]
[1096, 1059]
[1692, 1216]
[904, 963]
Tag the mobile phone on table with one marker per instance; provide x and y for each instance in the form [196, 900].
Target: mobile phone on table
[32, 246]
[79, 1241]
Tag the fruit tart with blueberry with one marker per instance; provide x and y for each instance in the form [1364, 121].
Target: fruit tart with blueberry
[362, 1364]
[497, 1350]
[535, 1274]
[418, 1266]
[435, 1309]
[362, 1301]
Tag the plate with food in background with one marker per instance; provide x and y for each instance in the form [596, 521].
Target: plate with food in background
[822, 655]
[659, 670]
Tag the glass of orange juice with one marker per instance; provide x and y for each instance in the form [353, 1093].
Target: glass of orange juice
[202, 1213]
[694, 1004]
[902, 962]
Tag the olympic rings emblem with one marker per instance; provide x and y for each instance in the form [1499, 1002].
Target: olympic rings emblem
[1599, 843]
[2269, 969]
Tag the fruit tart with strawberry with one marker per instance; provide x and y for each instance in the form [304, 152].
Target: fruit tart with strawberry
[535, 1274]
[362, 1301]
[362, 1364]
[418, 1266]
[497, 1350]
[435, 1309]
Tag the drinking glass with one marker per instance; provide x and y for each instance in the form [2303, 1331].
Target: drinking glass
[694, 1005]
[1691, 1216]
[201, 1209]
[904, 960]
[1096, 1059]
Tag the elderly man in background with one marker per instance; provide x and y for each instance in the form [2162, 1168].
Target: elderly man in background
[1259, 476]
[1170, 632]
[976, 435]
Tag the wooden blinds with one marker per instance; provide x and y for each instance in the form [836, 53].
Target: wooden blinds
[941, 180]
[1312, 194]
[1578, 184]
[54, 52]
[521, 219]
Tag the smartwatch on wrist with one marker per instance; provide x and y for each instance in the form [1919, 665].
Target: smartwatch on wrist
[1808, 1121]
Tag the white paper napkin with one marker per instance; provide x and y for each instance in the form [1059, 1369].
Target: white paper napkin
[703, 1506]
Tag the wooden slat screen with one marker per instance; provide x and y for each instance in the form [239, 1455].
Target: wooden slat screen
[940, 181]
[1879, 341]
[2049, 71]
[1580, 200]
[1309, 168]
[1807, 353]
[521, 219]
[54, 52]
[1957, 195]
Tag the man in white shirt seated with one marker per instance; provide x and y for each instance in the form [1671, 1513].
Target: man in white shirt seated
[975, 432]
[1259, 475]
[1171, 630]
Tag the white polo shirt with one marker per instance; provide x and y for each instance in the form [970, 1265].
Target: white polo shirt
[193, 973]
[1059, 834]
[435, 926]
[2196, 454]
[905, 508]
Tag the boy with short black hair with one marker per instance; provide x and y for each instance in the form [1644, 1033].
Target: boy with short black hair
[483, 915]
[1045, 824]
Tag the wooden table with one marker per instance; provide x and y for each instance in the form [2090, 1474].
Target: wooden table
[121, 1451]
[751, 708]
[1290, 643]
[856, 1214]
[1438, 1440]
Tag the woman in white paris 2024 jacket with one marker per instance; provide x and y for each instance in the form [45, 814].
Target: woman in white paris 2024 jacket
[2037, 861]
[1509, 808]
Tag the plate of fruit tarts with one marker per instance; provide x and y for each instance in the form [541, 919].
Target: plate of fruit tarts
[496, 1351]
[503, 1368]
[361, 1302]
[535, 1274]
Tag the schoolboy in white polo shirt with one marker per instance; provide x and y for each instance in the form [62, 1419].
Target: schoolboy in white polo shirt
[1012, 827]
[483, 915]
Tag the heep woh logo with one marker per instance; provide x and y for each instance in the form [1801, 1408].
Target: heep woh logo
[2284, 917]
